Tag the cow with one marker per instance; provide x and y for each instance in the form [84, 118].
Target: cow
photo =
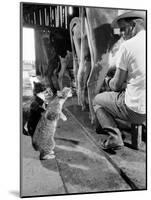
[92, 40]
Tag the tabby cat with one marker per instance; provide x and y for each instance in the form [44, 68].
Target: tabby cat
[43, 138]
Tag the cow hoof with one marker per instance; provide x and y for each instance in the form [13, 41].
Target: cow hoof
[92, 118]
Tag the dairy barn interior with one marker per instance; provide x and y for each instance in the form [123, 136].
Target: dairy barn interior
[57, 40]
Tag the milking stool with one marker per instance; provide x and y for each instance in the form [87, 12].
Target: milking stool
[137, 130]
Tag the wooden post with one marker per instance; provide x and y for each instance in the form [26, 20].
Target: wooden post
[61, 16]
[37, 17]
[66, 15]
[43, 16]
[25, 18]
[40, 19]
[34, 18]
[45, 13]
[136, 135]
[50, 15]
[53, 18]
[31, 18]
[58, 16]
[28, 18]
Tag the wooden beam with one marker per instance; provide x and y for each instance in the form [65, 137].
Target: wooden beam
[61, 16]
[35, 26]
[57, 16]
[66, 15]
[28, 18]
[53, 17]
[35, 18]
[40, 18]
[32, 18]
[43, 16]
[50, 15]
[136, 136]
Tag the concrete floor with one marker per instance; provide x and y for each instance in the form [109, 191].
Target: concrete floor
[128, 160]
[80, 165]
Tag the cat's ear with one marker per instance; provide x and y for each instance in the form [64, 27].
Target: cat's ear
[60, 57]
[59, 93]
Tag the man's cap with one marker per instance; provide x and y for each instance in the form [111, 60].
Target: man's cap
[131, 14]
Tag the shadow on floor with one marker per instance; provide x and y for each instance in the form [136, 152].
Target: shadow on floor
[15, 193]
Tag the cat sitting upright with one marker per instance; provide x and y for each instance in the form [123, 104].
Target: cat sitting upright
[43, 138]
[40, 92]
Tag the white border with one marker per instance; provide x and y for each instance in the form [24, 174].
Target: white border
[9, 98]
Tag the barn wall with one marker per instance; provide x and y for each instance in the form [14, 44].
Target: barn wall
[48, 15]
[51, 27]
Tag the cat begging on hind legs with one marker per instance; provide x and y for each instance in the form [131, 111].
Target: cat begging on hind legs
[43, 138]
[37, 107]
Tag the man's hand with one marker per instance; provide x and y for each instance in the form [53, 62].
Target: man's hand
[106, 82]
[105, 86]
[118, 82]
[111, 71]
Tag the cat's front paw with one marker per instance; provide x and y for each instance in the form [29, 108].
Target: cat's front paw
[48, 156]
[63, 117]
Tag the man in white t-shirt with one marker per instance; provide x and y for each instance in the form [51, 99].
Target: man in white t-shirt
[127, 96]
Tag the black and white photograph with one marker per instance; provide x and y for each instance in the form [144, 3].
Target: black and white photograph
[82, 99]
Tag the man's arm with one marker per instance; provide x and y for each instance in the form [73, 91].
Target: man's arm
[117, 83]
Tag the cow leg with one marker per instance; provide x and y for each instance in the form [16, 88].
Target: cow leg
[76, 59]
[90, 81]
[98, 70]
[62, 71]
[75, 70]
[77, 34]
[91, 94]
[83, 75]
[95, 81]
[80, 52]
[75, 45]
[84, 65]
[94, 84]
